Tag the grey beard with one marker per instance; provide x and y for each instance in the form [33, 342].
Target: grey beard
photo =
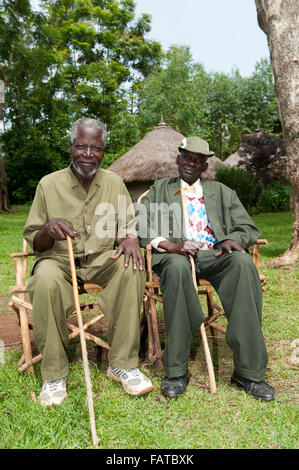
[85, 174]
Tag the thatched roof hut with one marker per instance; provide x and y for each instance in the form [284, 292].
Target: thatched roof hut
[233, 160]
[214, 164]
[152, 158]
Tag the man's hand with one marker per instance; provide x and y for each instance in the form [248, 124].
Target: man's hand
[129, 247]
[55, 229]
[228, 246]
[185, 248]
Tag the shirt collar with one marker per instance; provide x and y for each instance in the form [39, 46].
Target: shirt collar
[194, 188]
[75, 182]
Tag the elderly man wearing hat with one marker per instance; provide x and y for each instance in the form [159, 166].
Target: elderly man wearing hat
[217, 233]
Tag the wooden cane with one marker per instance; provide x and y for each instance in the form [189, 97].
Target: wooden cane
[202, 327]
[95, 439]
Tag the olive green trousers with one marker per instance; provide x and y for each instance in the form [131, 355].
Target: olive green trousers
[51, 295]
[236, 280]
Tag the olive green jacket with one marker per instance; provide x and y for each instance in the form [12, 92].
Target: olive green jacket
[227, 215]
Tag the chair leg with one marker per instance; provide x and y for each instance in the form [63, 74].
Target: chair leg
[212, 316]
[143, 331]
[210, 303]
[29, 364]
[154, 345]
[26, 338]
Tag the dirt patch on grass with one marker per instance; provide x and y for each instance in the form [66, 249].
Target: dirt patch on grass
[4, 307]
[10, 334]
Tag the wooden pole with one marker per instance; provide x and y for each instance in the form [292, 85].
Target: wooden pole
[202, 327]
[95, 438]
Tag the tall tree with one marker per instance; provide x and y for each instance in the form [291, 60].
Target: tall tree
[280, 20]
[258, 102]
[74, 58]
[216, 106]
[176, 91]
[4, 205]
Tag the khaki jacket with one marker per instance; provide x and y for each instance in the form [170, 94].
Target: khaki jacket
[100, 217]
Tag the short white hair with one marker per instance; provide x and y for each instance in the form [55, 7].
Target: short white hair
[88, 122]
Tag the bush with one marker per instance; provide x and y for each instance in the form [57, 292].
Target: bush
[264, 156]
[243, 183]
[254, 196]
[29, 156]
[274, 198]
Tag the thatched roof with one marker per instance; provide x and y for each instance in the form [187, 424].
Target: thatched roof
[214, 164]
[233, 159]
[154, 157]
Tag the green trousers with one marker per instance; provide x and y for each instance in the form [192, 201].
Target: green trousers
[236, 280]
[51, 295]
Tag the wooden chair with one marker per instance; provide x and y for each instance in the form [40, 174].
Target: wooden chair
[21, 305]
[153, 295]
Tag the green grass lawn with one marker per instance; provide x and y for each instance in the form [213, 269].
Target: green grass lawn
[230, 419]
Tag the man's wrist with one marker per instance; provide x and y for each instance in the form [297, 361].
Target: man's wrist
[42, 240]
[156, 242]
[128, 237]
[168, 246]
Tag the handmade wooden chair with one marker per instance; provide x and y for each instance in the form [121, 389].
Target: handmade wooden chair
[21, 305]
[153, 295]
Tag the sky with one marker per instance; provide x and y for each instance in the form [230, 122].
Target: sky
[221, 34]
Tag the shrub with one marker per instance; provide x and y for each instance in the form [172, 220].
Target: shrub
[243, 183]
[274, 198]
[264, 156]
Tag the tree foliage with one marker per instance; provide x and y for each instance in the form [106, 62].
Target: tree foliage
[75, 58]
[217, 106]
[172, 91]
[91, 58]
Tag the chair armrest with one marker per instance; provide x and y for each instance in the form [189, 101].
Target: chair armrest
[21, 254]
[255, 250]
[261, 241]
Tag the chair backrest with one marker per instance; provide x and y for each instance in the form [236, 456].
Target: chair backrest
[21, 265]
[142, 196]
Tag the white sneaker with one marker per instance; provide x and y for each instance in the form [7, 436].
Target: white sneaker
[133, 381]
[53, 392]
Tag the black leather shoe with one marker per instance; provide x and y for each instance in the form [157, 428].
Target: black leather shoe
[176, 386]
[259, 390]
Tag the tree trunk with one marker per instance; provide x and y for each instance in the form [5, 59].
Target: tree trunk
[4, 206]
[279, 19]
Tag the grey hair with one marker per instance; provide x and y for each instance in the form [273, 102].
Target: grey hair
[88, 122]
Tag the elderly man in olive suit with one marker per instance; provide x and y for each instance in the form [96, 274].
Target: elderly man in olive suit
[77, 200]
[219, 231]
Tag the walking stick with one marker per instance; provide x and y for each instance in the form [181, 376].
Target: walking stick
[95, 439]
[202, 327]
